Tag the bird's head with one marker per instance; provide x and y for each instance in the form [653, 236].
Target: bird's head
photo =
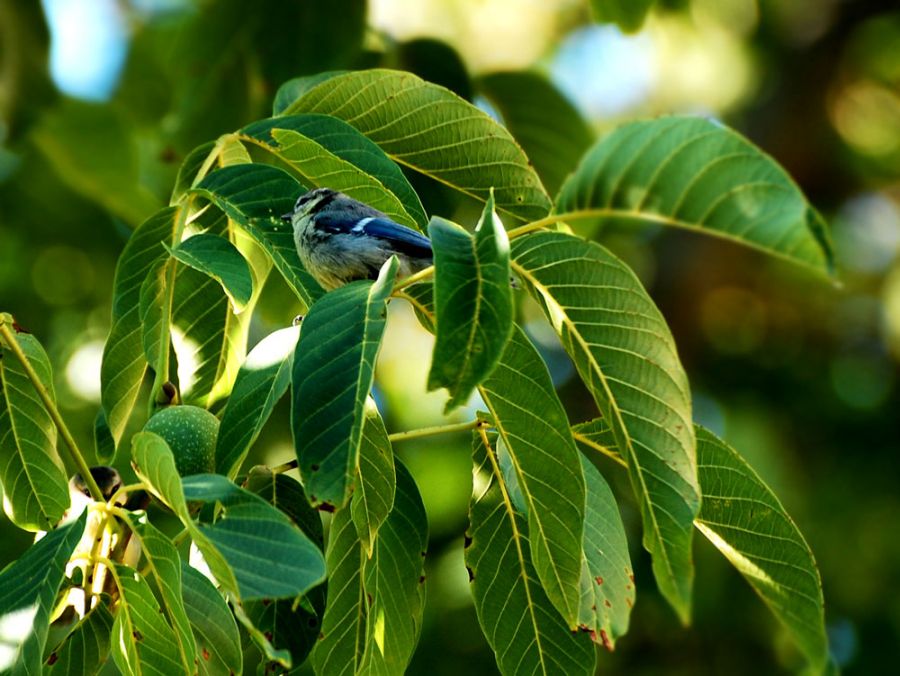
[309, 203]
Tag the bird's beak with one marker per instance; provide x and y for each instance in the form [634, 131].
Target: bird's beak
[287, 218]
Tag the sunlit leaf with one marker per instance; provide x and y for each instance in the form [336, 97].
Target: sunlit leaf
[342, 639]
[626, 14]
[694, 173]
[190, 168]
[164, 566]
[334, 366]
[626, 356]
[218, 258]
[154, 463]
[432, 131]
[35, 487]
[374, 612]
[377, 480]
[86, 648]
[270, 556]
[28, 588]
[533, 426]
[255, 196]
[262, 380]
[394, 578]
[546, 124]
[142, 642]
[215, 631]
[748, 524]
[124, 362]
[521, 624]
[327, 152]
[473, 303]
[607, 579]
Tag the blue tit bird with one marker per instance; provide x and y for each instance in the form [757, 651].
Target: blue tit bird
[340, 239]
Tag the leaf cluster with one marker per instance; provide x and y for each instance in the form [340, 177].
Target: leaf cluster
[551, 575]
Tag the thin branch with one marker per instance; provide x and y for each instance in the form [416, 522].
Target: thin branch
[438, 429]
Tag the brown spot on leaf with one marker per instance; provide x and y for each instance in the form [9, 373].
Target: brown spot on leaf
[269, 636]
[606, 642]
[422, 579]
[52, 659]
[598, 580]
[369, 598]
[607, 603]
[138, 636]
[206, 654]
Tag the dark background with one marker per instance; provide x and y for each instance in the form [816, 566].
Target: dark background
[798, 374]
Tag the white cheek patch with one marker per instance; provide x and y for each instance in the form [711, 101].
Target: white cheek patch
[361, 225]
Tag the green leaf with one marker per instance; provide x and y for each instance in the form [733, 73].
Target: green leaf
[155, 311]
[521, 624]
[165, 568]
[607, 579]
[697, 174]
[296, 87]
[549, 128]
[626, 356]
[291, 624]
[377, 480]
[28, 588]
[217, 639]
[262, 380]
[218, 258]
[374, 610]
[327, 152]
[190, 168]
[750, 527]
[287, 495]
[142, 643]
[209, 340]
[430, 130]
[153, 462]
[473, 303]
[270, 556]
[35, 487]
[86, 648]
[628, 15]
[394, 579]
[124, 364]
[532, 423]
[255, 196]
[334, 366]
[342, 640]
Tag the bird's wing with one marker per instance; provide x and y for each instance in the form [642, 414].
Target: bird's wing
[402, 239]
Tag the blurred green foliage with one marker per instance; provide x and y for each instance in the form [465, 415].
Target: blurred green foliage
[799, 375]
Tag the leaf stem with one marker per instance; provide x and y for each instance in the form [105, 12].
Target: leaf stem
[550, 220]
[413, 278]
[83, 468]
[285, 467]
[438, 429]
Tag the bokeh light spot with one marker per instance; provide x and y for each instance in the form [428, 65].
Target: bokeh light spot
[83, 370]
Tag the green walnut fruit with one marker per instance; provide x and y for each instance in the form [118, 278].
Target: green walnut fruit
[191, 433]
